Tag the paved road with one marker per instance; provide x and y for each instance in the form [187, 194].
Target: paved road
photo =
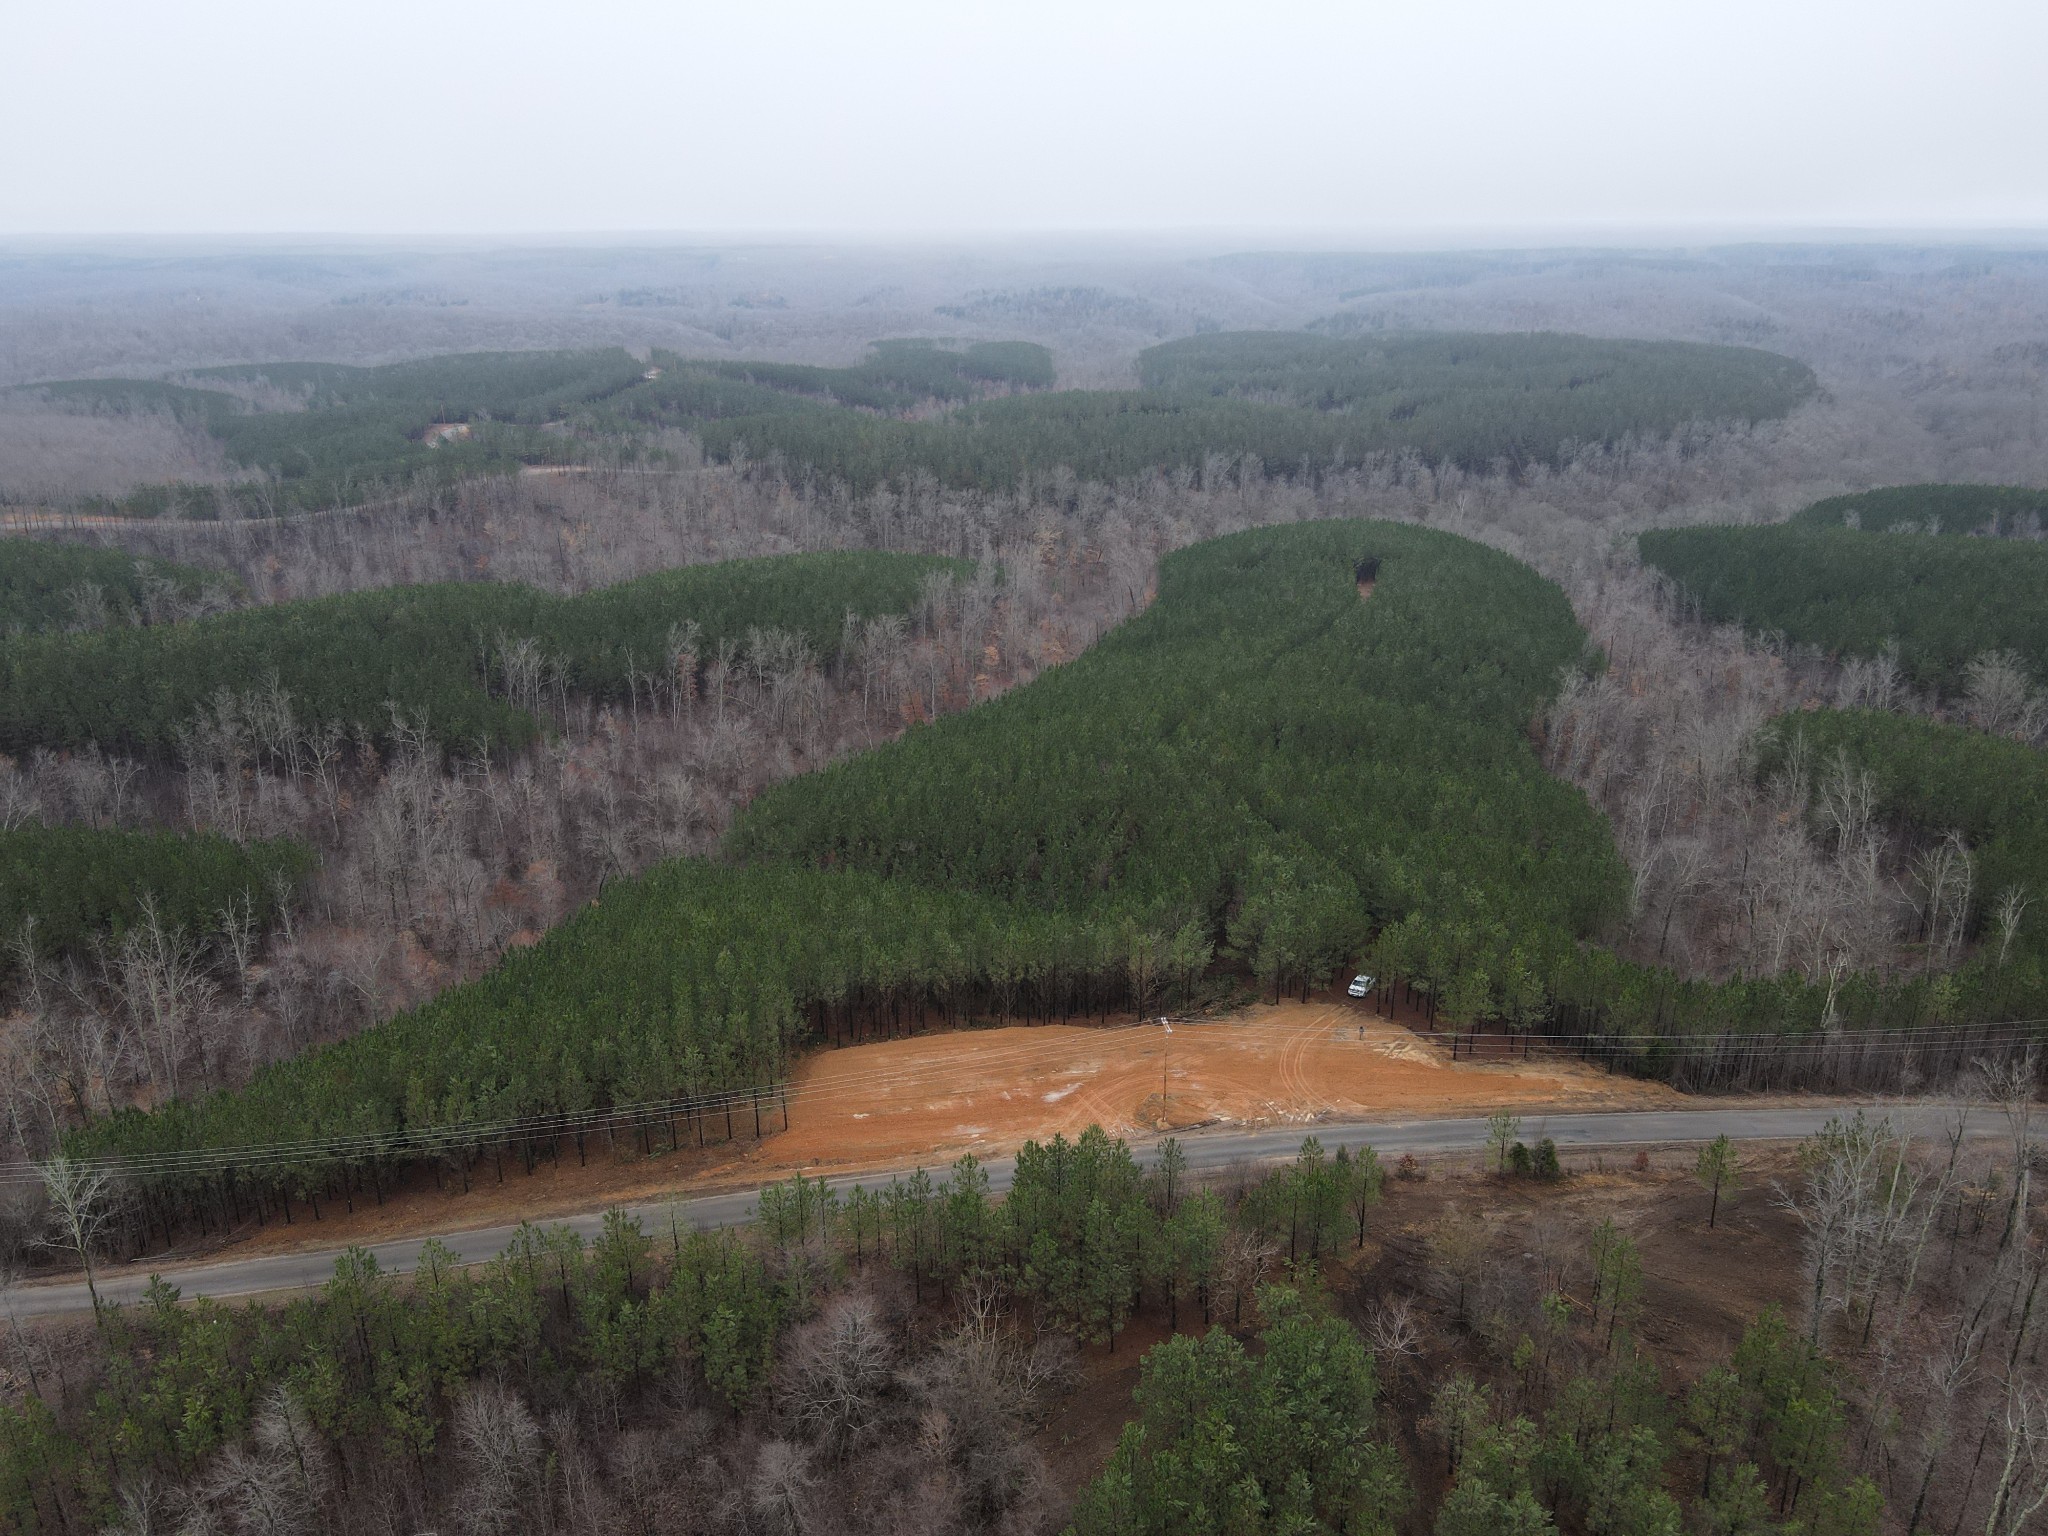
[1205, 1150]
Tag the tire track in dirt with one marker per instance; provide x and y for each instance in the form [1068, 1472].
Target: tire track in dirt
[1293, 1066]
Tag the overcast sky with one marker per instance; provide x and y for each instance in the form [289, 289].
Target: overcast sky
[888, 117]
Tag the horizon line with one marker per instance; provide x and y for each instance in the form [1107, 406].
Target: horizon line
[1614, 234]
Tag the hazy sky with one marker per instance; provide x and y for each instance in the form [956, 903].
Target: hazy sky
[900, 116]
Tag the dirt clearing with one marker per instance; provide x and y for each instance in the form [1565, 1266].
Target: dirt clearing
[985, 1091]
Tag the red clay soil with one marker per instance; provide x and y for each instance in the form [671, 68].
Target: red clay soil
[986, 1091]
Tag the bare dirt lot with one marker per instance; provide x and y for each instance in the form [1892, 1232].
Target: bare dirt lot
[1295, 1063]
[987, 1091]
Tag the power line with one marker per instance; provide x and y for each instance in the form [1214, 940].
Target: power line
[637, 1115]
[415, 1141]
[631, 1115]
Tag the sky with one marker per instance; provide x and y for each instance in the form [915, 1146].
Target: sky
[888, 118]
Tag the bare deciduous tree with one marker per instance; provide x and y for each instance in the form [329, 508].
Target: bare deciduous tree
[781, 1490]
[2000, 696]
[161, 974]
[979, 1390]
[1946, 874]
[81, 1210]
[2022, 1487]
[499, 1441]
[839, 1367]
[1394, 1331]
[2007, 916]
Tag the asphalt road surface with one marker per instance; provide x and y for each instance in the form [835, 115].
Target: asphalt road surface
[1205, 1150]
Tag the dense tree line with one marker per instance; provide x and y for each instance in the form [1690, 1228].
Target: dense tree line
[1296, 403]
[1641, 387]
[1232, 1442]
[45, 586]
[900, 375]
[467, 662]
[1265, 764]
[1942, 601]
[668, 1012]
[1993, 511]
[319, 433]
[1932, 780]
[1261, 751]
[65, 889]
[347, 433]
[1229, 1442]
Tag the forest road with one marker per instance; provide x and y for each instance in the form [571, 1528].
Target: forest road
[1206, 1151]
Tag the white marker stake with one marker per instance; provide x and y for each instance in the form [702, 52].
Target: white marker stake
[1165, 1062]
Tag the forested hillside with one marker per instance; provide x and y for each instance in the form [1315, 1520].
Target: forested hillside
[1932, 781]
[1612, 387]
[1310, 748]
[465, 663]
[317, 434]
[1297, 402]
[1944, 601]
[897, 376]
[1262, 745]
[76, 886]
[540, 922]
[47, 586]
[1265, 763]
[1992, 511]
[980, 417]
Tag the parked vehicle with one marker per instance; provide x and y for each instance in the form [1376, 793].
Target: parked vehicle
[1360, 986]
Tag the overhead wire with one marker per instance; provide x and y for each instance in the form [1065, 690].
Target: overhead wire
[637, 1115]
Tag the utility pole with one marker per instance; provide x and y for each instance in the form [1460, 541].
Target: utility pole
[1165, 1062]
